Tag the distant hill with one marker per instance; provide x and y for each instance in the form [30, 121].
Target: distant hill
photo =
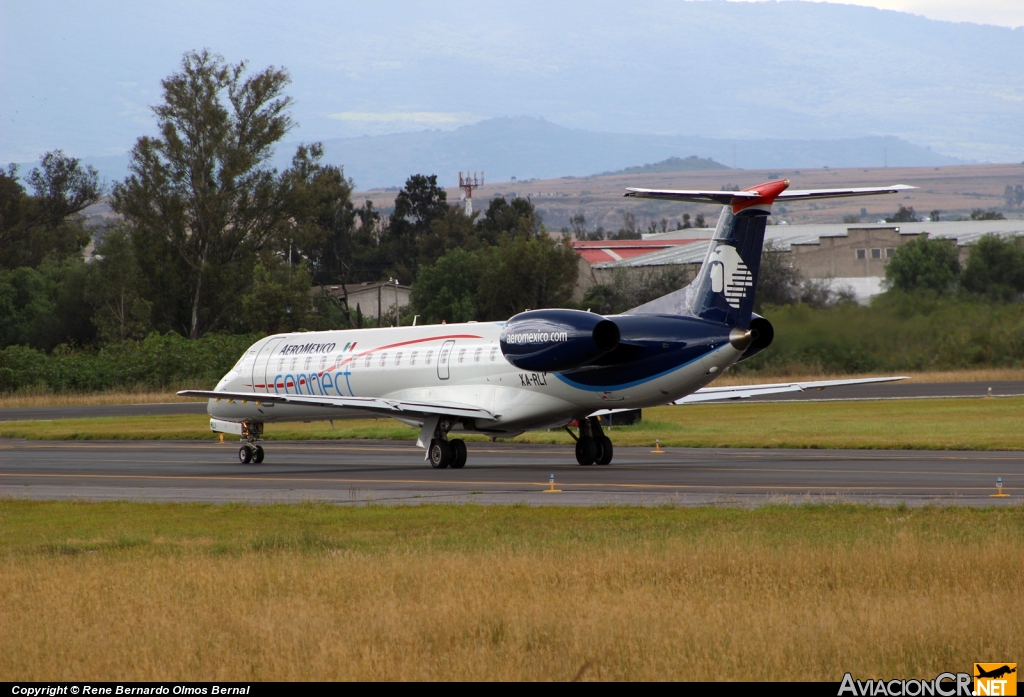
[673, 164]
[532, 148]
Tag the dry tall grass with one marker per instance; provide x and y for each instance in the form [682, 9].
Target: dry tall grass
[686, 595]
[46, 398]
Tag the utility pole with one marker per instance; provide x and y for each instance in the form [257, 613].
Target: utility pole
[467, 185]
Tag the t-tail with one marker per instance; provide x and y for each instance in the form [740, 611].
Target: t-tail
[723, 290]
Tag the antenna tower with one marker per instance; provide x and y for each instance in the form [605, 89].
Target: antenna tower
[467, 184]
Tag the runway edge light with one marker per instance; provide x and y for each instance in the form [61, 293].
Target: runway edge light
[552, 489]
[999, 490]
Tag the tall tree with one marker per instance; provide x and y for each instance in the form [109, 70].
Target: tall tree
[45, 222]
[417, 206]
[201, 197]
[114, 288]
[321, 216]
[525, 272]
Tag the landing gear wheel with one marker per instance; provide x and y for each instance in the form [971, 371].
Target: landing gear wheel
[586, 451]
[606, 449]
[458, 448]
[245, 454]
[257, 455]
[440, 454]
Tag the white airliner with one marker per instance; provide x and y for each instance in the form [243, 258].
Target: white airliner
[540, 369]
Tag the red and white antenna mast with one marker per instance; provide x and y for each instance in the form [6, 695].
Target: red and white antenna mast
[467, 184]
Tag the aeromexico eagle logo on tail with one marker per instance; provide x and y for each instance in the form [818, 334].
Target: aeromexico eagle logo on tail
[730, 275]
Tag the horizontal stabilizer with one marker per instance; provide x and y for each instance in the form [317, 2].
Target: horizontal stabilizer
[726, 198]
[379, 405]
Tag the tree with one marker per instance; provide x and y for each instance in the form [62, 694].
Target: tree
[903, 215]
[447, 290]
[934, 216]
[1018, 195]
[578, 222]
[503, 218]
[279, 299]
[628, 289]
[453, 230]
[44, 307]
[979, 214]
[417, 206]
[201, 198]
[45, 223]
[778, 283]
[114, 289]
[1009, 197]
[924, 264]
[995, 269]
[523, 272]
[322, 218]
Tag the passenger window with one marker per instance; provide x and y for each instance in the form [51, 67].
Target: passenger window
[462, 355]
[398, 358]
[294, 362]
[280, 364]
[323, 362]
[383, 357]
[412, 358]
[369, 357]
[443, 356]
[337, 361]
[427, 359]
[476, 356]
[308, 361]
[494, 352]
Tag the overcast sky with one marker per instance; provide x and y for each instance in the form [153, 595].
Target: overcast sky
[1006, 13]
[84, 76]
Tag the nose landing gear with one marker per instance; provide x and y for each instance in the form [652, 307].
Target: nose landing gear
[593, 447]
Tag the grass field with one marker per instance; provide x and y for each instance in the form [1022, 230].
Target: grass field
[118, 591]
[40, 397]
[927, 424]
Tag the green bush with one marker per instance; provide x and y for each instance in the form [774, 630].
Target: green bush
[158, 361]
[897, 332]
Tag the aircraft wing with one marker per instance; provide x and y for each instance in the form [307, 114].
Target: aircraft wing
[380, 405]
[710, 394]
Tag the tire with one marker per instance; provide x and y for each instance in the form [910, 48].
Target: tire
[586, 451]
[257, 456]
[245, 454]
[606, 451]
[440, 454]
[458, 447]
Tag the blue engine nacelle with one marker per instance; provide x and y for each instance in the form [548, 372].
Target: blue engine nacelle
[552, 340]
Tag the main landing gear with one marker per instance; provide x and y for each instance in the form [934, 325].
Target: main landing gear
[447, 453]
[593, 447]
[250, 452]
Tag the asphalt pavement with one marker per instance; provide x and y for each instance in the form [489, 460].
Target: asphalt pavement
[386, 472]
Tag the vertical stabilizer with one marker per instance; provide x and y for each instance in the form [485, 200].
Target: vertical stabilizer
[723, 290]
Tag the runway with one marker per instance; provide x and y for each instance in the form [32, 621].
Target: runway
[386, 472]
[906, 390]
